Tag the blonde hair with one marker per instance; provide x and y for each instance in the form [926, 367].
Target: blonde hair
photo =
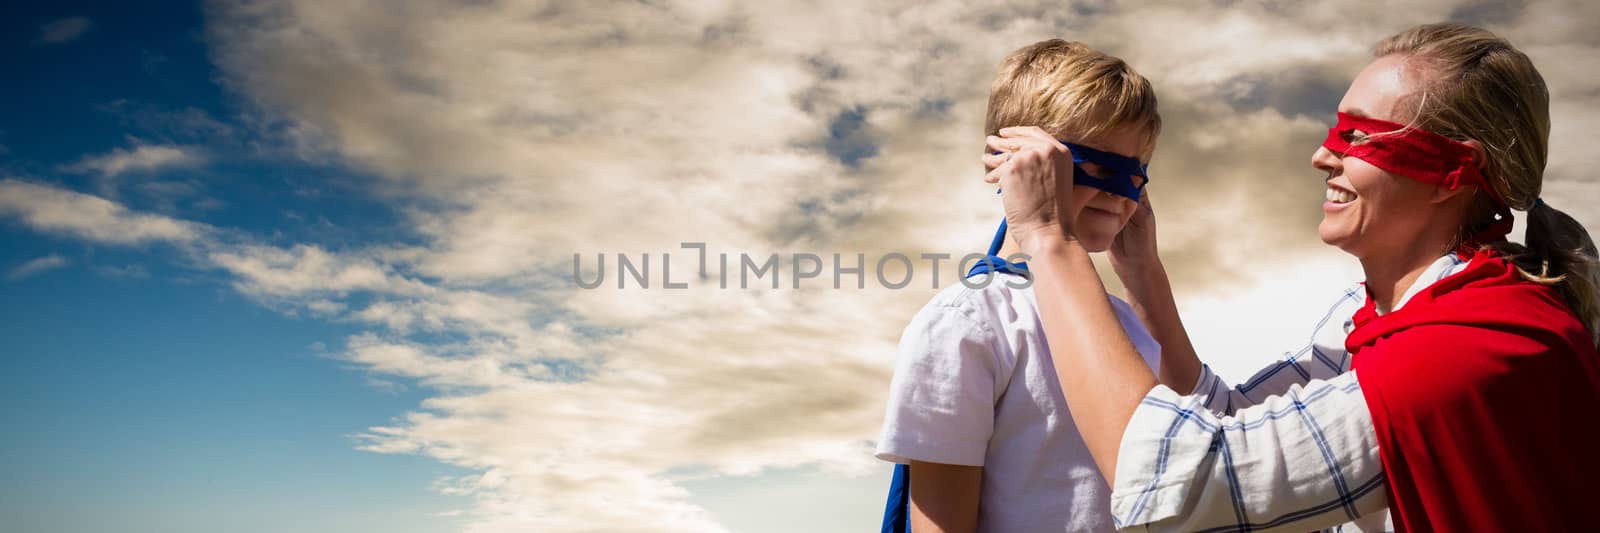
[1480, 87]
[1072, 91]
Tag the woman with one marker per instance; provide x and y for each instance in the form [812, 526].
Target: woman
[1468, 374]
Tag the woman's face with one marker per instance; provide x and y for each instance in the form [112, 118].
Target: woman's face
[1101, 215]
[1369, 211]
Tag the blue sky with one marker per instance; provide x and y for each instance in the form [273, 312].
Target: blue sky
[305, 265]
[145, 393]
[146, 396]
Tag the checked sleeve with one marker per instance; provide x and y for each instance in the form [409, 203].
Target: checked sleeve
[1302, 460]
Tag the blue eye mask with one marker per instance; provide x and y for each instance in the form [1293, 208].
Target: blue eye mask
[1122, 169]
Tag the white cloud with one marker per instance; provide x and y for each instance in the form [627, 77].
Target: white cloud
[142, 158]
[54, 210]
[305, 270]
[64, 30]
[36, 266]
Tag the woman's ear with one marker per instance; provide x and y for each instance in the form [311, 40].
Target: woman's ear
[1479, 156]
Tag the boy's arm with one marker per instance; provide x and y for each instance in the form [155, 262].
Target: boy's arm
[940, 413]
[944, 498]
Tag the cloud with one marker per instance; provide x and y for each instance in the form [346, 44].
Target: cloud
[142, 158]
[524, 394]
[511, 136]
[111, 167]
[558, 396]
[63, 30]
[36, 266]
[520, 134]
[58, 211]
[305, 270]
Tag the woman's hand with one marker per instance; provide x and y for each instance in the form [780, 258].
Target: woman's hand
[1133, 253]
[1034, 172]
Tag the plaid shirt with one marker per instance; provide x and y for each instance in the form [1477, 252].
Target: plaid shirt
[1291, 449]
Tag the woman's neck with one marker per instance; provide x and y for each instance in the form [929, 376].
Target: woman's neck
[1389, 277]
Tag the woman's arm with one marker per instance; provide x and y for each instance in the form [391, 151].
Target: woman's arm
[1322, 357]
[1307, 459]
[1304, 459]
[1135, 258]
[944, 498]
[1150, 293]
[1102, 376]
[1138, 264]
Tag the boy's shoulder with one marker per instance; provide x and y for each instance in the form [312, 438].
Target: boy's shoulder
[977, 291]
[998, 300]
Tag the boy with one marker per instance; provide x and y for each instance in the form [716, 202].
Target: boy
[975, 408]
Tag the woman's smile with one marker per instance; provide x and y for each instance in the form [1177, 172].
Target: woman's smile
[1337, 198]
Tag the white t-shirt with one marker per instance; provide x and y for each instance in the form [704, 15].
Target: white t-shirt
[974, 385]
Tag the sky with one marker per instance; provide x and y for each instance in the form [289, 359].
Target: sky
[309, 265]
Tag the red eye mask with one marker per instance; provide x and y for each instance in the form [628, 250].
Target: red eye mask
[1421, 155]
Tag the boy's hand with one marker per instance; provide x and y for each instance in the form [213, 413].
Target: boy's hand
[1034, 172]
[1135, 246]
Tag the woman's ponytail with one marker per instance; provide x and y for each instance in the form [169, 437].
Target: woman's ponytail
[1560, 252]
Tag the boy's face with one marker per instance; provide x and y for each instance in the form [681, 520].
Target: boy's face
[1101, 215]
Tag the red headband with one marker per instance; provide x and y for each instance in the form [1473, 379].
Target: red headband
[1421, 155]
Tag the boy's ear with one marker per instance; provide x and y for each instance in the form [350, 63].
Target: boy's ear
[1151, 137]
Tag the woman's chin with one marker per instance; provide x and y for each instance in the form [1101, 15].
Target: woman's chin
[1335, 236]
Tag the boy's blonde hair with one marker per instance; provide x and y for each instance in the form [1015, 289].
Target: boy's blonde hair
[1072, 91]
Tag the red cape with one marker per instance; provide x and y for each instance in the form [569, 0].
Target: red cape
[1485, 391]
